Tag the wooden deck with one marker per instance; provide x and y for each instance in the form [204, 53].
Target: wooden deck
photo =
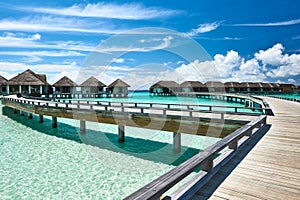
[271, 170]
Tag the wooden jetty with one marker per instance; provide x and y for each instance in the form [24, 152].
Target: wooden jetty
[272, 168]
[209, 120]
[269, 171]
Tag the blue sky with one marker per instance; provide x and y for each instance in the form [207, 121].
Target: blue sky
[145, 41]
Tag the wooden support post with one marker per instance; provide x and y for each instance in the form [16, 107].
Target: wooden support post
[248, 133]
[54, 122]
[208, 165]
[121, 133]
[222, 116]
[30, 116]
[41, 118]
[233, 145]
[177, 142]
[82, 127]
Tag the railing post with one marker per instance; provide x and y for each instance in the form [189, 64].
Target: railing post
[208, 165]
[233, 145]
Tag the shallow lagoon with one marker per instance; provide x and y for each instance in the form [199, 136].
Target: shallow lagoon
[38, 162]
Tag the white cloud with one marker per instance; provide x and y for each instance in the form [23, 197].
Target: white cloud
[52, 70]
[118, 60]
[272, 56]
[36, 37]
[283, 23]
[203, 28]
[30, 41]
[129, 11]
[56, 24]
[285, 65]
[141, 46]
[290, 80]
[43, 53]
[226, 64]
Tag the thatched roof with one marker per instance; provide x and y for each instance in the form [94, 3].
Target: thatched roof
[266, 85]
[3, 80]
[118, 83]
[166, 84]
[275, 85]
[28, 77]
[65, 82]
[193, 84]
[232, 84]
[287, 85]
[254, 84]
[92, 82]
[214, 84]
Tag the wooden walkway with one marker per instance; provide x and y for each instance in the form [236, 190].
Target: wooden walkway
[272, 168]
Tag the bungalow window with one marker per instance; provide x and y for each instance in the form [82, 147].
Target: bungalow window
[3, 88]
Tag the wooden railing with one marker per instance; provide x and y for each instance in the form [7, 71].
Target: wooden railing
[203, 160]
[286, 98]
[142, 107]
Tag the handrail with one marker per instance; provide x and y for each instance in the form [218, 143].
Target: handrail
[204, 159]
[95, 105]
[285, 98]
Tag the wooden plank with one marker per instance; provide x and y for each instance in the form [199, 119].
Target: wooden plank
[271, 169]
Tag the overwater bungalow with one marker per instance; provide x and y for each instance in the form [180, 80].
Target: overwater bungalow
[3, 85]
[193, 86]
[265, 87]
[275, 87]
[215, 86]
[92, 86]
[28, 83]
[118, 88]
[165, 88]
[287, 88]
[250, 87]
[232, 87]
[65, 86]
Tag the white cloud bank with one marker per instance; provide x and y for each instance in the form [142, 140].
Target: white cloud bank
[271, 64]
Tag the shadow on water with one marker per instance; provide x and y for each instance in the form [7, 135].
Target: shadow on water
[142, 148]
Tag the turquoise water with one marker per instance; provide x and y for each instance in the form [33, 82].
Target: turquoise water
[144, 97]
[38, 162]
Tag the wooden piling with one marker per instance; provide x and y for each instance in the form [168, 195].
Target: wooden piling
[121, 135]
[30, 116]
[54, 122]
[176, 142]
[82, 127]
[41, 118]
